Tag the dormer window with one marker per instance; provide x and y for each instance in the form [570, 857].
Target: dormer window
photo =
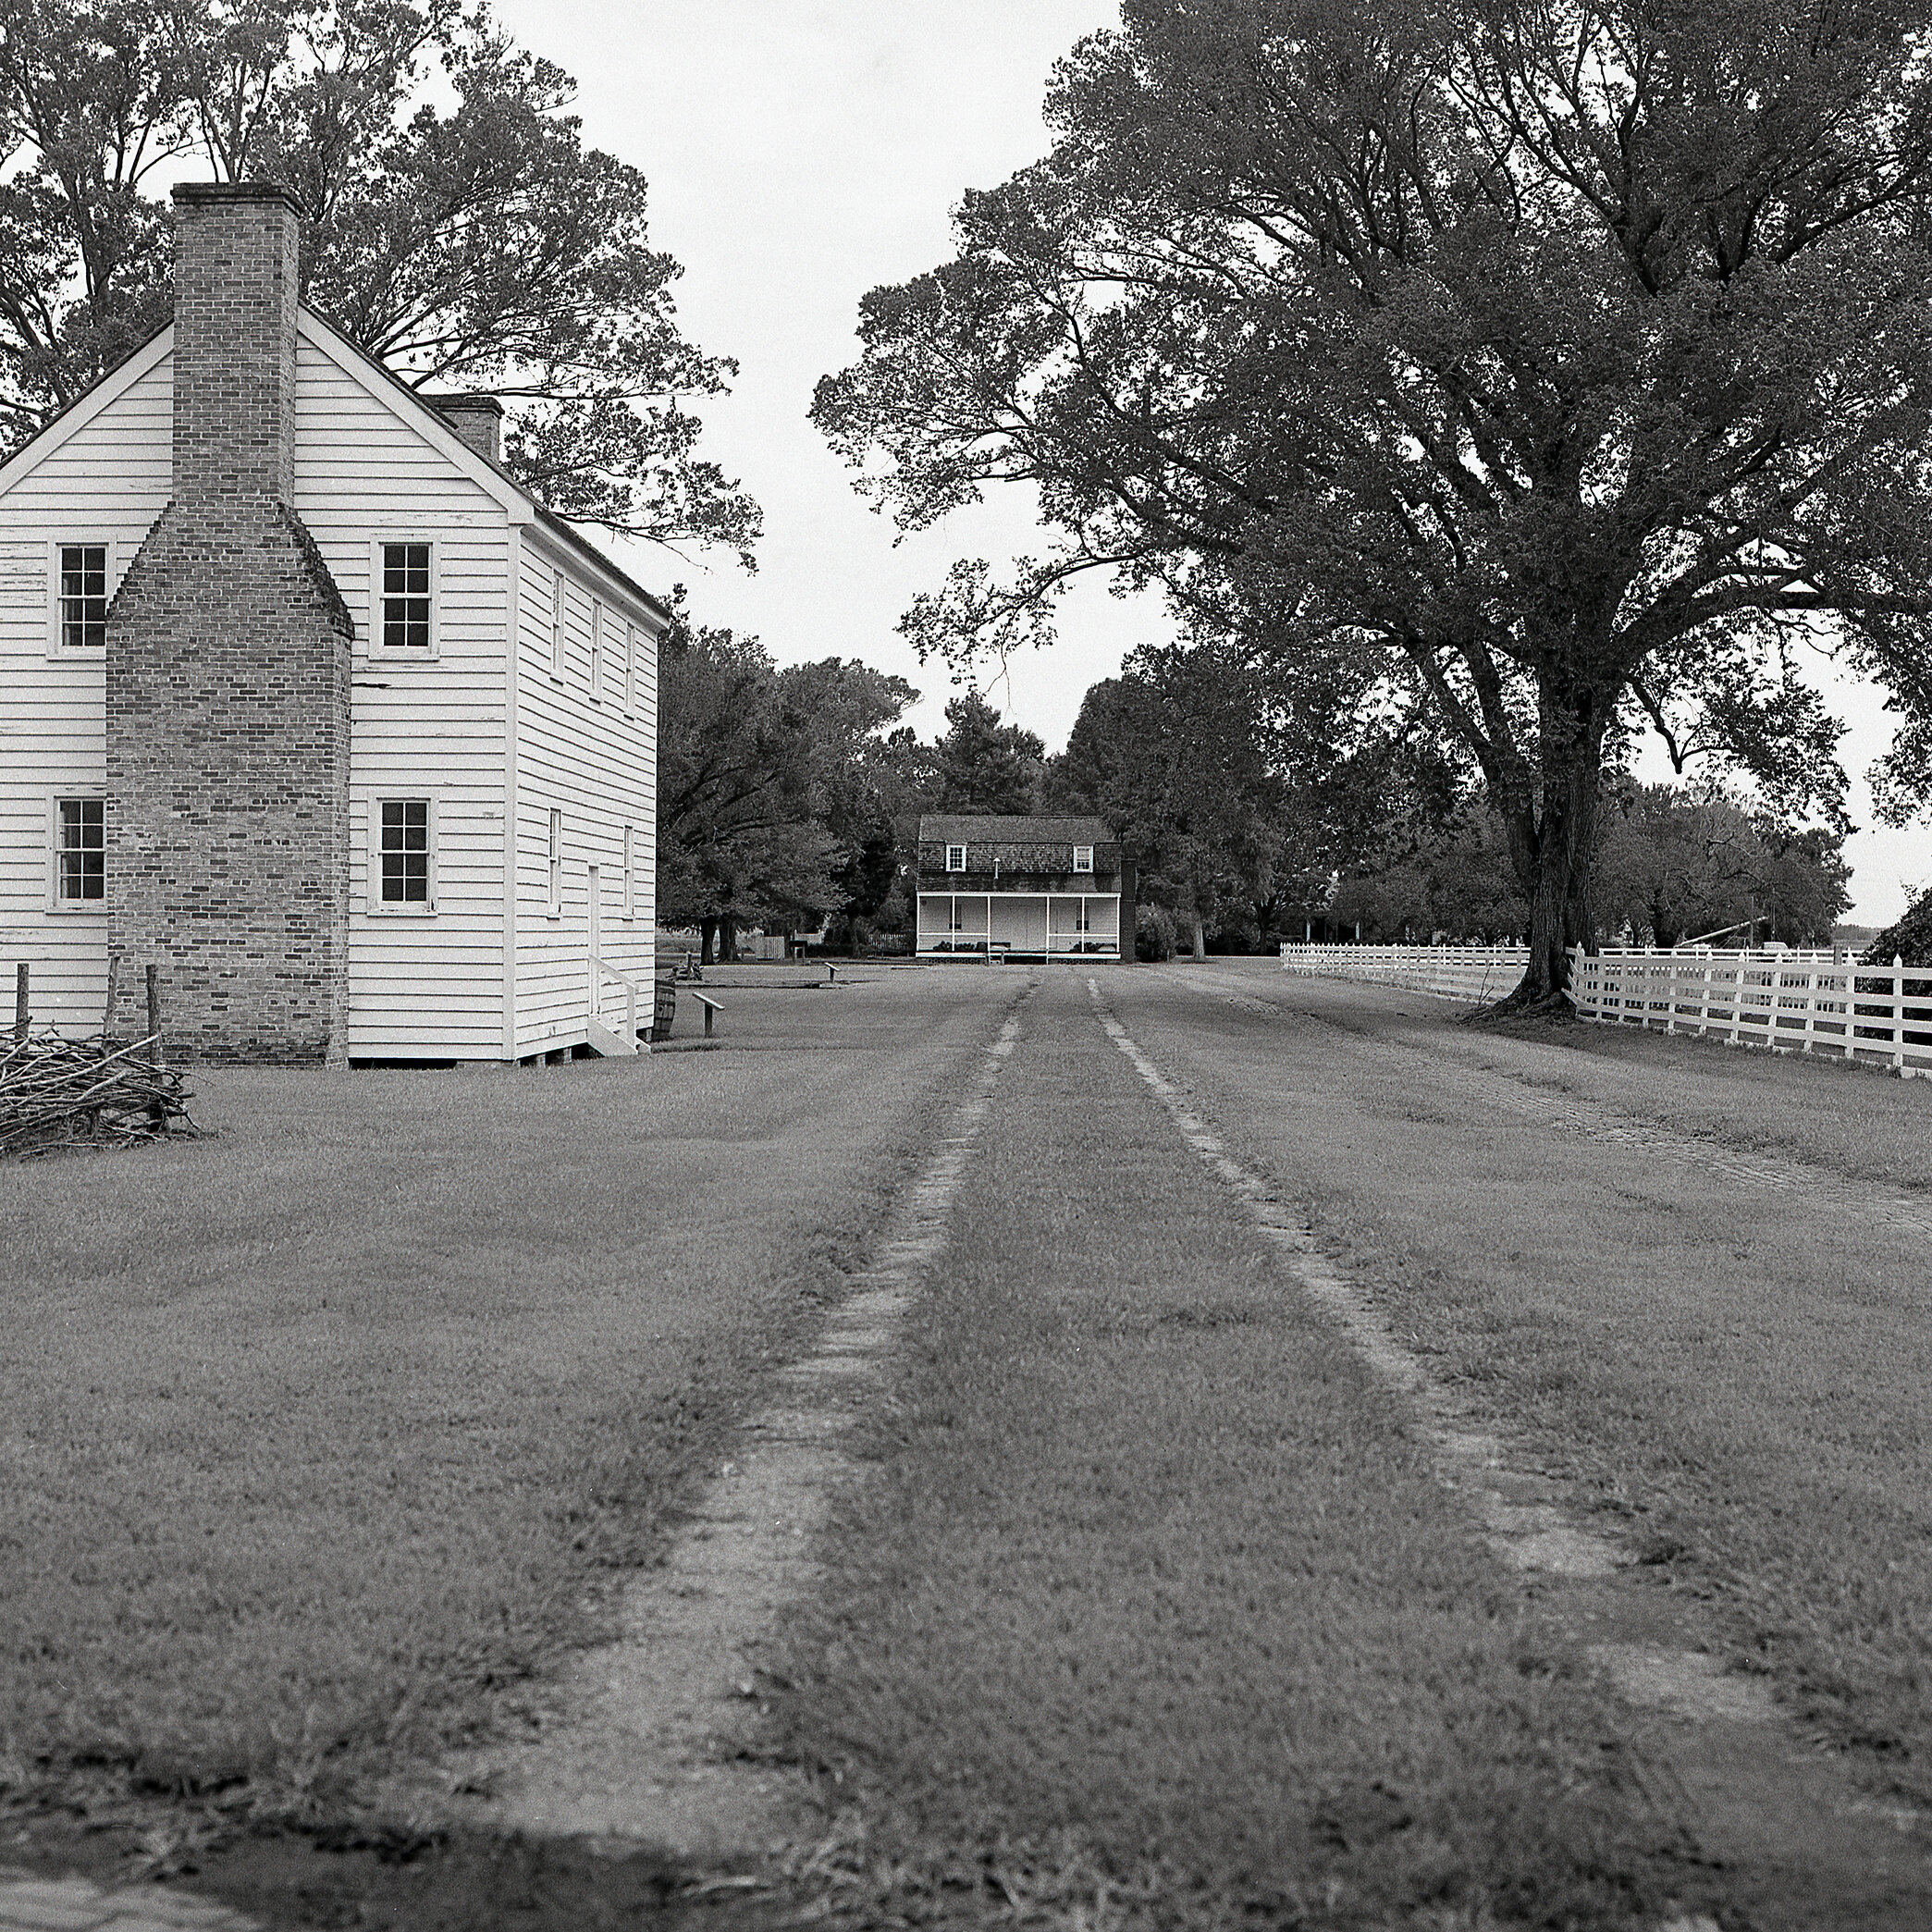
[955, 858]
[1083, 858]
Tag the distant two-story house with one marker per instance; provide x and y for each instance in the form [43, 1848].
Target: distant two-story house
[307, 704]
[990, 887]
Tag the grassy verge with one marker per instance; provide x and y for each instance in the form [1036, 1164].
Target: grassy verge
[1152, 1612]
[317, 1437]
[1858, 1120]
[1738, 1371]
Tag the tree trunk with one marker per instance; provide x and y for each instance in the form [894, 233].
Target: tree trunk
[1553, 849]
[727, 937]
[707, 951]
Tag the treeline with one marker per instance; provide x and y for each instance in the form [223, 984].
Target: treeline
[792, 796]
[1259, 813]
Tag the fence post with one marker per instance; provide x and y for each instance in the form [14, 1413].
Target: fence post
[20, 1002]
[1737, 1000]
[1811, 1007]
[1898, 1011]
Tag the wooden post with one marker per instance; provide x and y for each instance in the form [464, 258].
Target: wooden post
[114, 984]
[153, 977]
[1898, 1011]
[20, 1003]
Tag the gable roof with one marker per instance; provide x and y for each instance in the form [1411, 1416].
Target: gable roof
[1009, 829]
[380, 381]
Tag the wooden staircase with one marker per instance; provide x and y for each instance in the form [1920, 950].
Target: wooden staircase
[611, 1043]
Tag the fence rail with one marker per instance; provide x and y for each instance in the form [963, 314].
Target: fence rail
[1818, 1003]
[1809, 1002]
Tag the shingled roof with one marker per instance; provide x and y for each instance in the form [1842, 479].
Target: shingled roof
[1009, 829]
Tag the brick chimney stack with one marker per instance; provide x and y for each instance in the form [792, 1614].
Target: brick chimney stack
[236, 253]
[477, 418]
[228, 678]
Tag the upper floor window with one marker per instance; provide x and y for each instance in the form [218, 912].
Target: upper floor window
[629, 669]
[405, 610]
[559, 611]
[955, 858]
[1083, 858]
[80, 851]
[597, 648]
[81, 596]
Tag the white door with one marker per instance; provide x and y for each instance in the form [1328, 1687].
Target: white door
[593, 914]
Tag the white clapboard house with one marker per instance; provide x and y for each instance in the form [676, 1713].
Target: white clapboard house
[307, 704]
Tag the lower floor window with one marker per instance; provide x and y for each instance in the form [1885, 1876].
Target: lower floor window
[405, 851]
[81, 849]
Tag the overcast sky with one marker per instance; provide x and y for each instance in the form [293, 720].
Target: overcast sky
[800, 152]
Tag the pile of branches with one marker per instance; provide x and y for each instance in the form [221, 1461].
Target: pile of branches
[57, 1092]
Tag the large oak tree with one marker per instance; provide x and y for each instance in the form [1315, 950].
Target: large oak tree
[463, 232]
[1563, 363]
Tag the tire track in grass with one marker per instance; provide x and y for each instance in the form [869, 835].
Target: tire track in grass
[655, 1737]
[1812, 1853]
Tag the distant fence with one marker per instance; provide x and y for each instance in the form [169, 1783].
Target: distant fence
[1806, 1002]
[1792, 1001]
[1471, 974]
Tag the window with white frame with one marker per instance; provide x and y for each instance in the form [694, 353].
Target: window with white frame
[404, 858]
[597, 648]
[629, 876]
[80, 832]
[1083, 858]
[555, 879]
[629, 669]
[955, 858]
[406, 598]
[80, 596]
[560, 612]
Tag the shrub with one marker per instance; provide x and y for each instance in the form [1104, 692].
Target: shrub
[1153, 932]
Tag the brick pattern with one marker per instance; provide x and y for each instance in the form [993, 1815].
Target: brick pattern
[228, 678]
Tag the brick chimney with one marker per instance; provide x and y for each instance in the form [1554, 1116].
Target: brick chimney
[477, 418]
[228, 678]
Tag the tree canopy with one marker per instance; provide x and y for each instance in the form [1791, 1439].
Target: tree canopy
[470, 241]
[1560, 365]
[769, 810]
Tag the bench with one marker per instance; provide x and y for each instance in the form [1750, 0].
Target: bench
[712, 1009]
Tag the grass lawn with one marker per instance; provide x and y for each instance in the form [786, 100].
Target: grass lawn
[1738, 1371]
[317, 1435]
[1152, 1612]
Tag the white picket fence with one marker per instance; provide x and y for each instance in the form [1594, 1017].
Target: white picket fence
[1791, 1001]
[1807, 1003]
[1471, 974]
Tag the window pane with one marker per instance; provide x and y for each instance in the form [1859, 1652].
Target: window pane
[83, 595]
[405, 602]
[83, 870]
[405, 851]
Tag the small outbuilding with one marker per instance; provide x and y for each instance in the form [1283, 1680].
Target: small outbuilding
[1019, 887]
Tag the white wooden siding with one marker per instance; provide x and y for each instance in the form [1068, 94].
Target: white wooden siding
[418, 986]
[108, 481]
[599, 767]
